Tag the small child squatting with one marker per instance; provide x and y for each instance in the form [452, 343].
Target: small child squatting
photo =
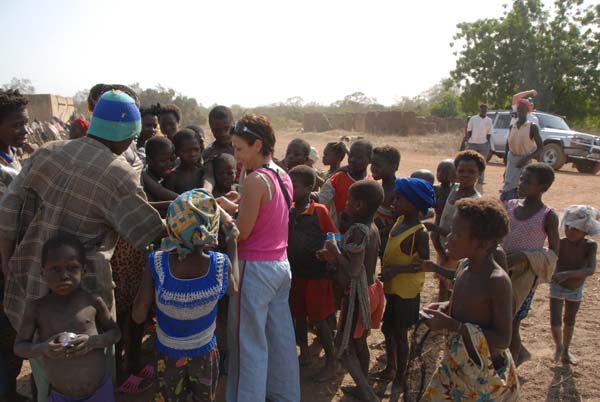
[73, 326]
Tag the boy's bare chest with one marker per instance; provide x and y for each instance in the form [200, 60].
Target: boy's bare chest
[189, 179]
[79, 319]
[572, 256]
[471, 301]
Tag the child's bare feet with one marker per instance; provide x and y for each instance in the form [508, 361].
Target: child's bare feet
[567, 358]
[558, 353]
[524, 356]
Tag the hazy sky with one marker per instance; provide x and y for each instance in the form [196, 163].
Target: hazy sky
[245, 52]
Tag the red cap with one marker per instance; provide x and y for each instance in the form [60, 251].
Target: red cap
[82, 123]
[526, 103]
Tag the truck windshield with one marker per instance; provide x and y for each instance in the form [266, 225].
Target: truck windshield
[549, 121]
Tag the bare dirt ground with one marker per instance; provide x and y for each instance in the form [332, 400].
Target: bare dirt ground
[541, 379]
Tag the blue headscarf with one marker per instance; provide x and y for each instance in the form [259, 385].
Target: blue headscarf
[419, 192]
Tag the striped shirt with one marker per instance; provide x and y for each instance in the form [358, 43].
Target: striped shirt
[186, 309]
[77, 187]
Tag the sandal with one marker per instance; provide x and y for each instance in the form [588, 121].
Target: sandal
[147, 372]
[134, 385]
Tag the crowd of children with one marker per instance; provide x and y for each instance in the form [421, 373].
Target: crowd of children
[342, 224]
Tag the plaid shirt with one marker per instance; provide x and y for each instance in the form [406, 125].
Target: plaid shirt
[8, 166]
[78, 187]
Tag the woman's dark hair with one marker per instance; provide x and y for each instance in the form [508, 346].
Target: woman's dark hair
[261, 129]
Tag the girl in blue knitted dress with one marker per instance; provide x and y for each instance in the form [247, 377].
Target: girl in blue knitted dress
[186, 280]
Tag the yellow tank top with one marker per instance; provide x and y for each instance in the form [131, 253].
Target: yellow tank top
[407, 286]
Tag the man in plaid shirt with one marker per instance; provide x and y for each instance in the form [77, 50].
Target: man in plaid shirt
[79, 187]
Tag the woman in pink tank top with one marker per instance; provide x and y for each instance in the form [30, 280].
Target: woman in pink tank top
[263, 363]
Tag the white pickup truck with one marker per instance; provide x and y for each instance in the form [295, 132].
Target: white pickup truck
[561, 144]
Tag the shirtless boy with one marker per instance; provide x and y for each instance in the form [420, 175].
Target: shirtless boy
[576, 262]
[189, 174]
[480, 311]
[73, 328]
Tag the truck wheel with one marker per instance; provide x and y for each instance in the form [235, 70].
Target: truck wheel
[554, 156]
[587, 166]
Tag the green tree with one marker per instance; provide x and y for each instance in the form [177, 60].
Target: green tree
[356, 102]
[554, 50]
[192, 111]
[448, 105]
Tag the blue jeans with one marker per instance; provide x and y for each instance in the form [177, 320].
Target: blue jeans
[262, 345]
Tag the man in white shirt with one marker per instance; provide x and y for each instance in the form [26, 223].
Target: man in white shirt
[479, 131]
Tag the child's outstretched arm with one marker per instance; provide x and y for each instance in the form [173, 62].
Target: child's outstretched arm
[231, 236]
[108, 332]
[432, 227]
[352, 260]
[156, 190]
[437, 245]
[143, 298]
[430, 266]
[422, 247]
[326, 194]
[24, 345]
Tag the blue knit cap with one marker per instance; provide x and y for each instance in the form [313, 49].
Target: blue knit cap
[116, 117]
[419, 192]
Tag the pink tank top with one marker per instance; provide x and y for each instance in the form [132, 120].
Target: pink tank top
[526, 234]
[269, 237]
